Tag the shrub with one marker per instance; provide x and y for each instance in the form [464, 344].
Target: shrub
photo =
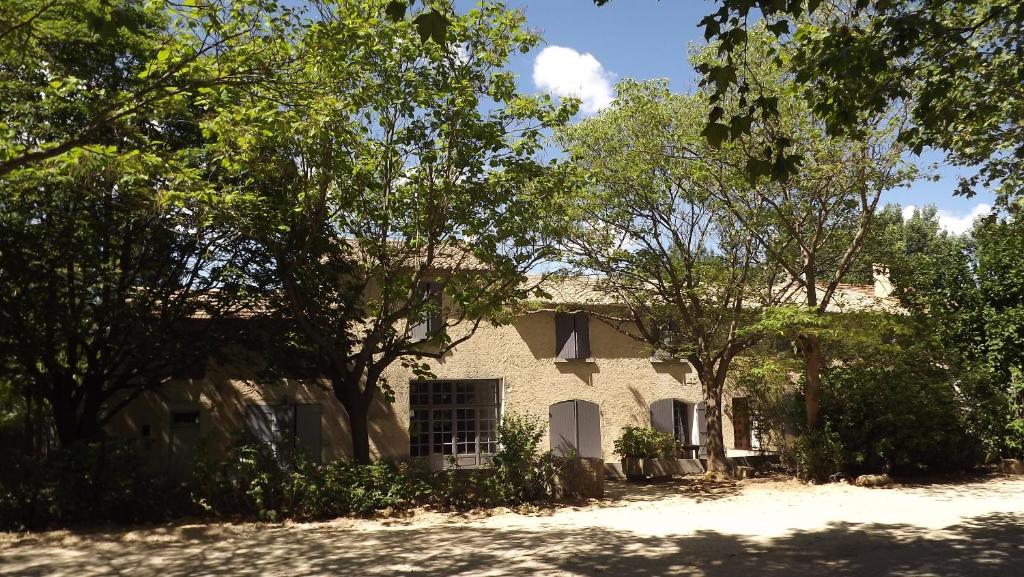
[85, 483]
[818, 455]
[256, 482]
[900, 417]
[646, 443]
[520, 473]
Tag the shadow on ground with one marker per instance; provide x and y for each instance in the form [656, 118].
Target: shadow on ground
[693, 487]
[981, 546]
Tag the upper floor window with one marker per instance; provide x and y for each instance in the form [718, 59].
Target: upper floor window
[572, 335]
[432, 321]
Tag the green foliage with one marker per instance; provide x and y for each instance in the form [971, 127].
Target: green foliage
[901, 416]
[767, 382]
[89, 78]
[84, 483]
[110, 243]
[649, 212]
[254, 482]
[818, 455]
[646, 443]
[956, 64]
[964, 295]
[521, 474]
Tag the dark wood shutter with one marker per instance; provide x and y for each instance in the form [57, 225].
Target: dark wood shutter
[581, 326]
[702, 430]
[565, 343]
[307, 430]
[662, 414]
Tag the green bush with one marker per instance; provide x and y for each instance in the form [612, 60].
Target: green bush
[254, 482]
[646, 443]
[85, 483]
[819, 455]
[904, 417]
[521, 474]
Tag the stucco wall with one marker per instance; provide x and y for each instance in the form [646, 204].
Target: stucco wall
[622, 380]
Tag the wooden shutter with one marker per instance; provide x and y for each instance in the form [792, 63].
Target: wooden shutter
[588, 429]
[581, 326]
[565, 343]
[307, 430]
[431, 297]
[702, 430]
[259, 421]
[662, 415]
[418, 331]
[434, 319]
[562, 427]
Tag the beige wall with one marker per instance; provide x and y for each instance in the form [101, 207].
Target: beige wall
[622, 380]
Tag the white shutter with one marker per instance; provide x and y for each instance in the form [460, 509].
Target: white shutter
[702, 430]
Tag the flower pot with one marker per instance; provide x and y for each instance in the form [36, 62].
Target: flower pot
[632, 468]
[660, 468]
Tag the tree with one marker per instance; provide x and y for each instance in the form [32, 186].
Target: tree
[74, 71]
[966, 294]
[819, 217]
[107, 288]
[397, 204]
[650, 221]
[956, 64]
[113, 266]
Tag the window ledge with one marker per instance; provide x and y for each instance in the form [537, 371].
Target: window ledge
[586, 360]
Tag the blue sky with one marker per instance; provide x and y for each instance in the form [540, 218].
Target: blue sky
[590, 48]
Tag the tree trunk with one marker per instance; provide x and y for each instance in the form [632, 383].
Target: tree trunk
[712, 386]
[358, 420]
[357, 405]
[811, 350]
[75, 422]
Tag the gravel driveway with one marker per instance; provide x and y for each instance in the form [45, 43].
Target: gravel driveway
[758, 528]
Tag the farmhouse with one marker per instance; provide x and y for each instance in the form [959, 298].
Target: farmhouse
[557, 361]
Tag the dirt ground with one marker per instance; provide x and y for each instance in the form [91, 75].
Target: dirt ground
[765, 528]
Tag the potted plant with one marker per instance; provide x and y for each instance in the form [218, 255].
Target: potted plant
[646, 453]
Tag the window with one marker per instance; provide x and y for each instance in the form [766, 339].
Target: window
[185, 417]
[572, 335]
[431, 310]
[453, 419]
[673, 416]
[666, 334]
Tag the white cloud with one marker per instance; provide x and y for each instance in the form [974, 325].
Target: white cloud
[908, 211]
[565, 72]
[951, 222]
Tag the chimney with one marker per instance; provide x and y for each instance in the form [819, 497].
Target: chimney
[883, 284]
